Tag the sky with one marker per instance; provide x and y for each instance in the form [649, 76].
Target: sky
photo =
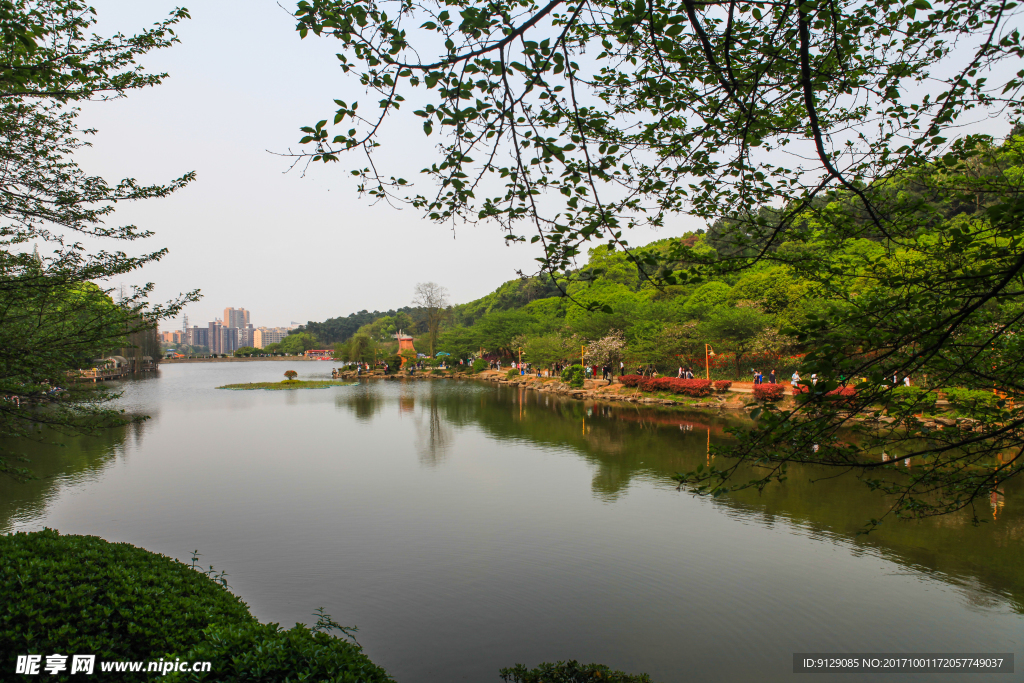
[246, 232]
[288, 246]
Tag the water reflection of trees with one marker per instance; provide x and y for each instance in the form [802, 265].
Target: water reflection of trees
[434, 432]
[627, 443]
[78, 457]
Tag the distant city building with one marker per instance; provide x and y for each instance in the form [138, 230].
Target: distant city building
[197, 336]
[262, 337]
[235, 317]
[215, 336]
[222, 339]
[245, 335]
[229, 334]
[172, 337]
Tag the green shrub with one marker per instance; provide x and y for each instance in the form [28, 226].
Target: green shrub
[479, 365]
[915, 399]
[250, 652]
[81, 594]
[573, 375]
[972, 401]
[570, 672]
[84, 595]
[512, 374]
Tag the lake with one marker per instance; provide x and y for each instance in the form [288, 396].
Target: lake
[466, 527]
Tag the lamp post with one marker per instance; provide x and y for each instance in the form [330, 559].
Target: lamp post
[708, 351]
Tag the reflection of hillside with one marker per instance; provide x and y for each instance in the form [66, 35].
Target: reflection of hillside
[80, 458]
[433, 432]
[626, 442]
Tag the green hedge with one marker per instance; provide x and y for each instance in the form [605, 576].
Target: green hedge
[913, 399]
[249, 652]
[83, 595]
[573, 375]
[972, 401]
[570, 672]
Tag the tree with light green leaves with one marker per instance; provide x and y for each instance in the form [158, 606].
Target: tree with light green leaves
[58, 312]
[791, 128]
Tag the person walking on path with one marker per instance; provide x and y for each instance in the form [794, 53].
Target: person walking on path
[795, 379]
[771, 377]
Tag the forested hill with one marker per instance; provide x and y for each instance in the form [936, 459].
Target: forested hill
[340, 329]
[510, 295]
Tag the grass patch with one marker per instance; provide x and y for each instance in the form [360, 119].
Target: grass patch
[289, 384]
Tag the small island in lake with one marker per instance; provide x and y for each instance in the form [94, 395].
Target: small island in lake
[290, 384]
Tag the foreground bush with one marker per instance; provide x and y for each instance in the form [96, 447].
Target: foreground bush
[722, 384]
[971, 401]
[83, 595]
[569, 672]
[251, 651]
[686, 387]
[479, 365]
[768, 392]
[573, 375]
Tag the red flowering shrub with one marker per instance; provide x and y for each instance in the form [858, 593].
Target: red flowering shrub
[687, 387]
[722, 385]
[768, 392]
[838, 393]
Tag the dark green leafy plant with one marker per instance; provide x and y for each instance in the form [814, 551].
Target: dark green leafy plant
[573, 375]
[569, 672]
[82, 594]
[251, 651]
[973, 403]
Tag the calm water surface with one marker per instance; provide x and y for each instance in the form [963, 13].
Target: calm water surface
[465, 527]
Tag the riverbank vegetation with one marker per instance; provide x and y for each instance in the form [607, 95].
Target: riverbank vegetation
[58, 312]
[81, 594]
[839, 156]
[288, 384]
[121, 603]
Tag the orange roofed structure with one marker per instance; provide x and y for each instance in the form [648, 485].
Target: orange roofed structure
[404, 344]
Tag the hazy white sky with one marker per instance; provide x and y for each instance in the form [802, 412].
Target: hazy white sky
[248, 235]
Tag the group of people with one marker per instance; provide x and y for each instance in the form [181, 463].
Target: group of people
[759, 377]
[685, 373]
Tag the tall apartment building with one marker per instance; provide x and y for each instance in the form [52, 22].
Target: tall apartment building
[236, 317]
[197, 336]
[222, 339]
[171, 337]
[245, 335]
[264, 336]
